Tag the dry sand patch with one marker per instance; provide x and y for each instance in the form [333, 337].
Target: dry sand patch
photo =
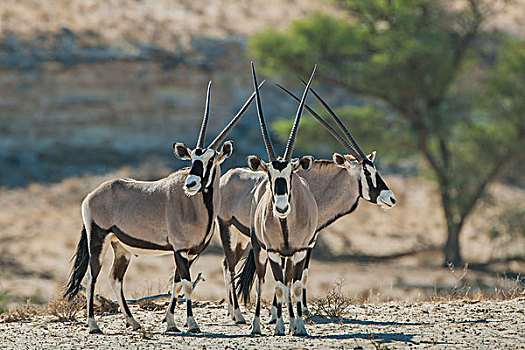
[460, 324]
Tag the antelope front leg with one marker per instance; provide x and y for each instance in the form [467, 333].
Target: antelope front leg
[288, 278]
[304, 279]
[121, 260]
[280, 290]
[168, 318]
[260, 258]
[96, 253]
[297, 293]
[273, 311]
[183, 266]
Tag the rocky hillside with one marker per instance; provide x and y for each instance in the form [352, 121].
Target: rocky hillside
[88, 86]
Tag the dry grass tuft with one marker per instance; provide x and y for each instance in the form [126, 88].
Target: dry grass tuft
[335, 304]
[146, 332]
[465, 289]
[66, 310]
[151, 305]
[104, 306]
[22, 313]
[461, 288]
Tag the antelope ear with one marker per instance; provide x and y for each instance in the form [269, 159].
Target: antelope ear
[338, 159]
[181, 151]
[304, 163]
[372, 156]
[256, 164]
[226, 151]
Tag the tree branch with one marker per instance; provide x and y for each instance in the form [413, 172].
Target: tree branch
[478, 192]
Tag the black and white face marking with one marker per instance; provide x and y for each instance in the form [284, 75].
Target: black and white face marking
[373, 188]
[280, 177]
[202, 162]
[280, 173]
[201, 165]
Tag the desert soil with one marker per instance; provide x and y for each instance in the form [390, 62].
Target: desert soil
[461, 324]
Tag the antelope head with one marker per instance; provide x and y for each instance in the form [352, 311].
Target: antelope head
[371, 184]
[280, 169]
[203, 159]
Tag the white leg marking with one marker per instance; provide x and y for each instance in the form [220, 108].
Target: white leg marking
[170, 320]
[299, 329]
[273, 314]
[192, 325]
[187, 288]
[279, 327]
[228, 286]
[297, 292]
[280, 293]
[256, 326]
[304, 277]
[275, 257]
[297, 297]
[238, 317]
[298, 256]
[263, 257]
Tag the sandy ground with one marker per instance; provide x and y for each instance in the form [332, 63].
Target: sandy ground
[462, 324]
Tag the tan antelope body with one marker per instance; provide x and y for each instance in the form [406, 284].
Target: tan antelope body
[336, 184]
[283, 217]
[173, 215]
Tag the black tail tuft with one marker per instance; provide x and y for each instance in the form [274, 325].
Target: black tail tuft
[246, 278]
[79, 268]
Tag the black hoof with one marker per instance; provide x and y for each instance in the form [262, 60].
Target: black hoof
[272, 321]
[95, 331]
[172, 330]
[194, 330]
[240, 322]
[133, 326]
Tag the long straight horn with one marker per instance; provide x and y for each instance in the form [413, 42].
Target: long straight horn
[325, 124]
[291, 140]
[339, 123]
[264, 131]
[215, 143]
[202, 134]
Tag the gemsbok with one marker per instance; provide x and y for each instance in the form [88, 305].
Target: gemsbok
[283, 220]
[336, 184]
[174, 215]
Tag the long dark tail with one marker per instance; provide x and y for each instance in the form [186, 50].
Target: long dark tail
[79, 268]
[246, 278]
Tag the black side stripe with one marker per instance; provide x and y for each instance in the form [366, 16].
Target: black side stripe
[136, 242]
[207, 176]
[243, 229]
[314, 238]
[207, 197]
[284, 229]
[351, 210]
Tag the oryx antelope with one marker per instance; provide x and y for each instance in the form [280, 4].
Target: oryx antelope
[336, 184]
[174, 215]
[283, 218]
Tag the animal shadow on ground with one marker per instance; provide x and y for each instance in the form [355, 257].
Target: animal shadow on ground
[345, 320]
[378, 337]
